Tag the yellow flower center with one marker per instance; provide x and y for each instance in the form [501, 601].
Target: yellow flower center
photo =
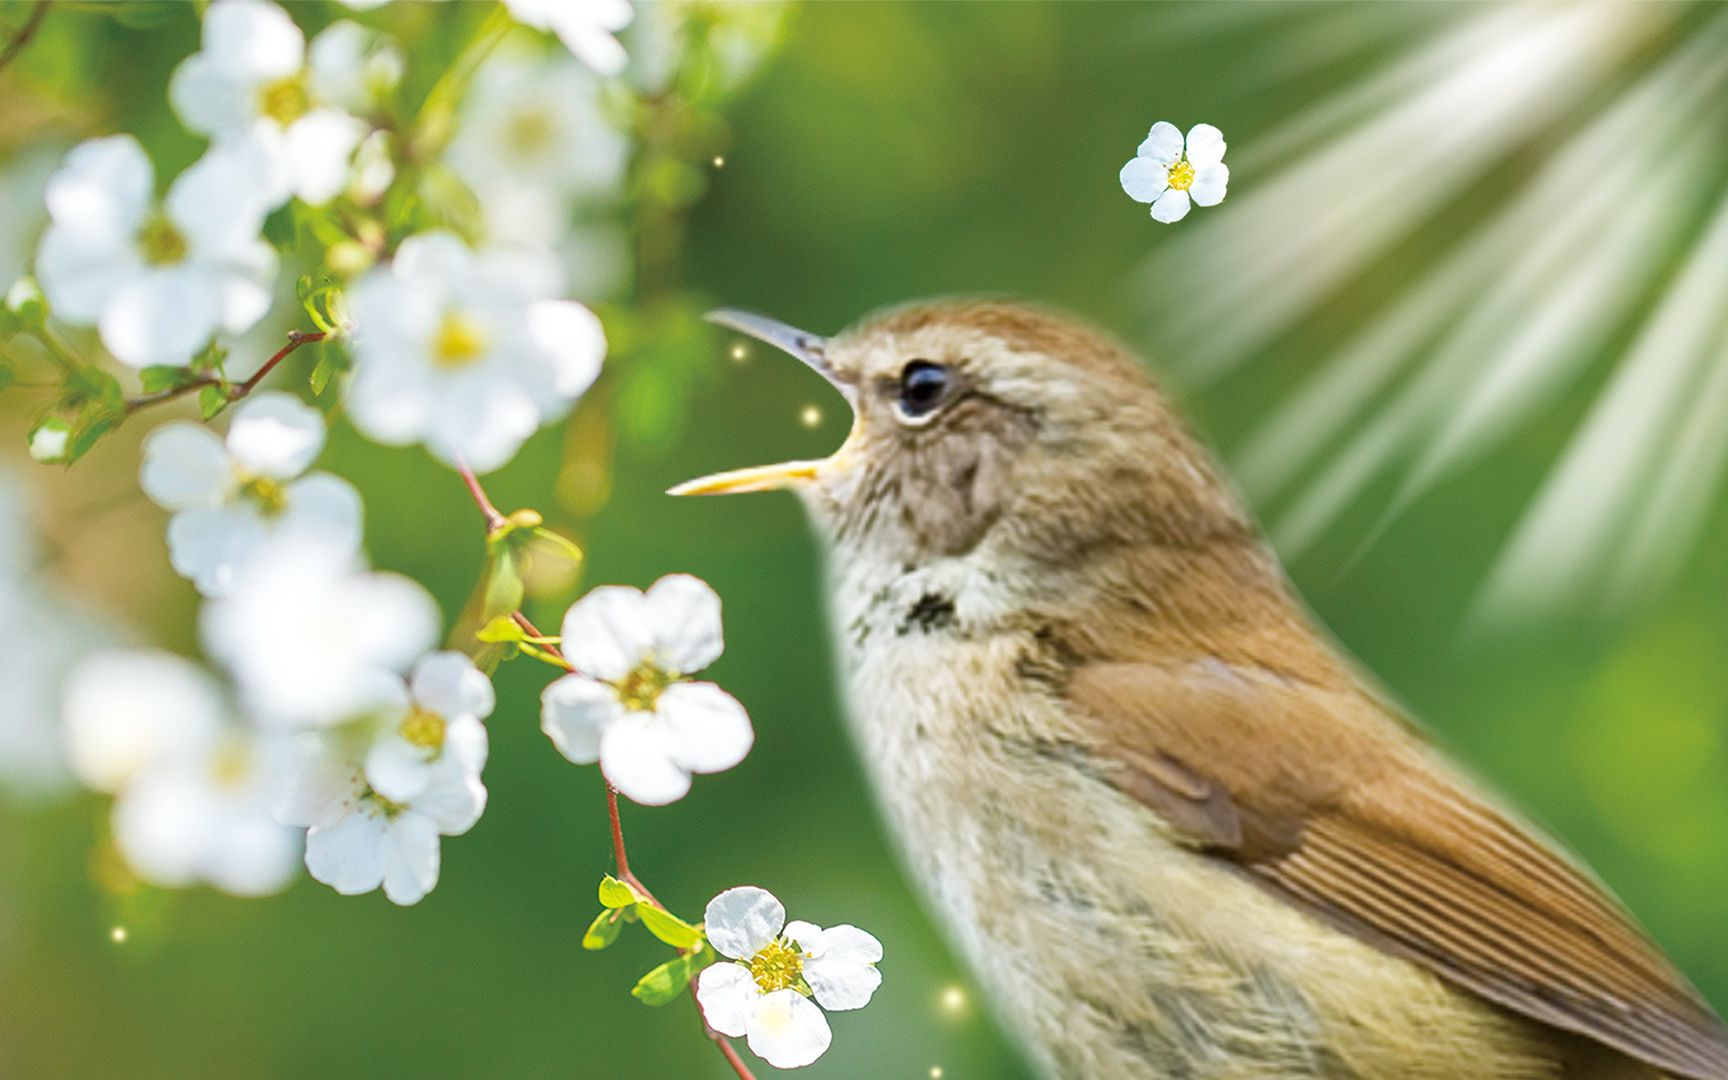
[777, 966]
[424, 729]
[268, 495]
[1181, 176]
[390, 808]
[459, 342]
[530, 132]
[161, 243]
[231, 765]
[639, 690]
[286, 100]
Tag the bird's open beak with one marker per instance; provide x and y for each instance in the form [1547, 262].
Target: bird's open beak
[808, 348]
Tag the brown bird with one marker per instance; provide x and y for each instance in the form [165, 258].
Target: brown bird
[1174, 830]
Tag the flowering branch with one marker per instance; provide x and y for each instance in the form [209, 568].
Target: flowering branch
[24, 34]
[236, 391]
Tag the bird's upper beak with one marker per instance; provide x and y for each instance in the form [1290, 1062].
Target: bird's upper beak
[811, 349]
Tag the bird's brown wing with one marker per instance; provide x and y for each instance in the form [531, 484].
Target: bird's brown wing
[1323, 796]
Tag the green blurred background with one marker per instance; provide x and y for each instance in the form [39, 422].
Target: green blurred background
[885, 152]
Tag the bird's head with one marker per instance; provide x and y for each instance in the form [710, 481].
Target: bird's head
[981, 422]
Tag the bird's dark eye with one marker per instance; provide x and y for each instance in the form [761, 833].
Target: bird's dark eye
[923, 387]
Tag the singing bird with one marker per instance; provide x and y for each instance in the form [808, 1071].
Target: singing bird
[1172, 828]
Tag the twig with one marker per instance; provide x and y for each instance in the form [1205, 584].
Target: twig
[24, 34]
[296, 338]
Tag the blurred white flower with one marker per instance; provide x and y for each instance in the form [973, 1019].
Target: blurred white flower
[1169, 175]
[456, 349]
[231, 497]
[306, 631]
[21, 187]
[379, 791]
[764, 994]
[588, 28]
[735, 39]
[255, 79]
[158, 281]
[628, 704]
[192, 791]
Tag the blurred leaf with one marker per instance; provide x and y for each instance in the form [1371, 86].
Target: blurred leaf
[500, 628]
[665, 982]
[504, 588]
[161, 377]
[212, 400]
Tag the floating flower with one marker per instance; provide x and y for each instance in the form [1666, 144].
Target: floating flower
[1169, 176]
[778, 967]
[307, 631]
[629, 705]
[158, 281]
[229, 498]
[255, 79]
[456, 349]
[587, 28]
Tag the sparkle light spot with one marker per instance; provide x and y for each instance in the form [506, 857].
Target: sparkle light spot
[117, 935]
[739, 352]
[953, 999]
[935, 1072]
[719, 162]
[810, 416]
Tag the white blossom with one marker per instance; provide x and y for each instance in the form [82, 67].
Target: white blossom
[157, 280]
[231, 496]
[458, 350]
[588, 28]
[776, 969]
[629, 704]
[307, 631]
[1168, 174]
[448, 697]
[21, 186]
[255, 80]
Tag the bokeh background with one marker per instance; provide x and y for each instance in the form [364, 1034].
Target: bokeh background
[883, 152]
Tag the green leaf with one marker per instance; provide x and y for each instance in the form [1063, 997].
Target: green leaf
[323, 372]
[504, 588]
[668, 927]
[561, 544]
[212, 400]
[93, 386]
[163, 377]
[210, 361]
[603, 931]
[665, 982]
[616, 894]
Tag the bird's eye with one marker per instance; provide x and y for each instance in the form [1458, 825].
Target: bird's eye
[923, 387]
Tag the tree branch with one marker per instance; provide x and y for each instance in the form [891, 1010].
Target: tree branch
[24, 34]
[296, 338]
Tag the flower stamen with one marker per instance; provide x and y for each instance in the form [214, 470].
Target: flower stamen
[161, 243]
[1181, 176]
[639, 690]
[270, 496]
[777, 966]
[286, 100]
[459, 341]
[423, 729]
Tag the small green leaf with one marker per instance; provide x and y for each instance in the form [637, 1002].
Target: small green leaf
[499, 629]
[212, 400]
[97, 421]
[322, 373]
[209, 362]
[665, 982]
[616, 894]
[161, 377]
[504, 588]
[563, 545]
[93, 386]
[668, 927]
[603, 931]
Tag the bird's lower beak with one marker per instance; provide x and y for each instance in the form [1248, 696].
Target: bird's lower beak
[810, 349]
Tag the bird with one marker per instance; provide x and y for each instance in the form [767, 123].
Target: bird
[1172, 827]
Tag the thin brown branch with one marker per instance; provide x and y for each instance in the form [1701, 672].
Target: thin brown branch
[296, 338]
[24, 34]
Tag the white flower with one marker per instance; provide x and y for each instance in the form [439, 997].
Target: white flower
[306, 631]
[230, 498]
[455, 349]
[254, 79]
[377, 793]
[158, 281]
[586, 27]
[129, 710]
[21, 187]
[628, 705]
[777, 968]
[1168, 177]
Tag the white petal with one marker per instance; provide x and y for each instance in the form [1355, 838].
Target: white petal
[397, 769]
[726, 992]
[448, 684]
[162, 825]
[249, 37]
[322, 143]
[572, 339]
[218, 204]
[574, 710]
[80, 270]
[210, 544]
[1144, 179]
[806, 935]
[706, 729]
[184, 465]
[129, 710]
[315, 784]
[323, 509]
[1171, 206]
[104, 188]
[410, 858]
[607, 633]
[842, 974]
[1163, 144]
[1205, 145]
[465, 744]
[481, 420]
[163, 316]
[740, 921]
[1209, 184]
[636, 757]
[275, 435]
[250, 854]
[683, 613]
[349, 855]
[439, 259]
[394, 619]
[453, 800]
[787, 1031]
[211, 100]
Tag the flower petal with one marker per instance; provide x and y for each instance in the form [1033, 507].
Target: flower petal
[1171, 206]
[1163, 144]
[465, 744]
[104, 188]
[787, 1031]
[635, 755]
[411, 856]
[684, 613]
[1144, 179]
[322, 144]
[210, 100]
[275, 435]
[397, 769]
[448, 683]
[349, 855]
[726, 993]
[1209, 184]
[1205, 145]
[607, 633]
[574, 710]
[218, 204]
[843, 974]
[740, 921]
[184, 465]
[324, 509]
[81, 270]
[209, 544]
[129, 710]
[572, 340]
[707, 730]
[250, 37]
[453, 799]
[163, 316]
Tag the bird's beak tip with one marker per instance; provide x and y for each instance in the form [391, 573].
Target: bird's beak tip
[756, 478]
